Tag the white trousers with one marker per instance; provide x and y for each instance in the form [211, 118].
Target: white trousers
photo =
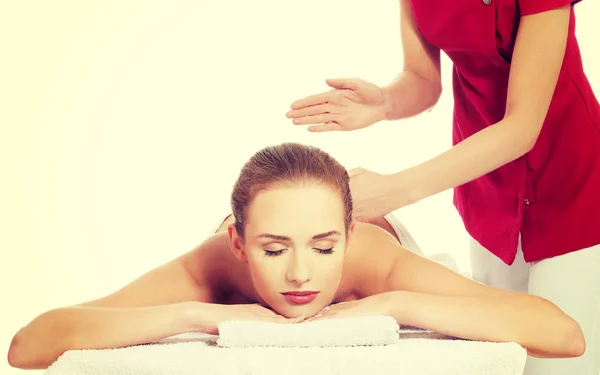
[570, 281]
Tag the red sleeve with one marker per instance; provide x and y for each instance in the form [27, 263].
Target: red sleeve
[538, 6]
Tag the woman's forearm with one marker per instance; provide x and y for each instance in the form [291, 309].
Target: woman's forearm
[534, 323]
[48, 336]
[409, 95]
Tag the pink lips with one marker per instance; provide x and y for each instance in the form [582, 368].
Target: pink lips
[300, 298]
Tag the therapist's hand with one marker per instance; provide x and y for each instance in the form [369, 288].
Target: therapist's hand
[372, 194]
[352, 104]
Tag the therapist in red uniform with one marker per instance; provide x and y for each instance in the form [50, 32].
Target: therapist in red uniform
[525, 166]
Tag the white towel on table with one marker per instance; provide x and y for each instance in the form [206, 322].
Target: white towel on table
[415, 353]
[363, 331]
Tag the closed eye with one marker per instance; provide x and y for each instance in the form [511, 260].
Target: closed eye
[324, 251]
[274, 253]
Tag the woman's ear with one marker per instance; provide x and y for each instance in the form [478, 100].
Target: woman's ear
[349, 236]
[236, 244]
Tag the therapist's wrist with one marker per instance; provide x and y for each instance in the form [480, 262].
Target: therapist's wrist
[388, 104]
[404, 189]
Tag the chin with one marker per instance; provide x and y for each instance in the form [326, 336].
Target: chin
[308, 310]
[305, 312]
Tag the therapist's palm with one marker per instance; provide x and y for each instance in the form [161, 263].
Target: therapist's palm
[352, 104]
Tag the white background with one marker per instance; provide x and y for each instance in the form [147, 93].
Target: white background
[125, 123]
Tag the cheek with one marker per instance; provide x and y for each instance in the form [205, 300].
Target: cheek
[265, 275]
[330, 270]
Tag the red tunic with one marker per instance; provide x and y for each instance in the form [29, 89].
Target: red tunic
[551, 196]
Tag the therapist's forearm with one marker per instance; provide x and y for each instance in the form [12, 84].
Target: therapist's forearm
[409, 95]
[535, 68]
[474, 157]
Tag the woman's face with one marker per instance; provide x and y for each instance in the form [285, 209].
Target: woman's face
[295, 244]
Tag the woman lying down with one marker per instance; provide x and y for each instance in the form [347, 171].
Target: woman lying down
[289, 250]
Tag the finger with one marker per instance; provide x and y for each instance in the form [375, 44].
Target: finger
[358, 213]
[361, 218]
[355, 172]
[320, 313]
[311, 100]
[313, 318]
[330, 312]
[310, 111]
[297, 320]
[317, 119]
[327, 316]
[285, 320]
[326, 127]
[343, 83]
[269, 314]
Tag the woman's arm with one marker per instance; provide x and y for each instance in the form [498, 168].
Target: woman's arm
[533, 322]
[537, 59]
[425, 294]
[156, 305]
[47, 337]
[419, 86]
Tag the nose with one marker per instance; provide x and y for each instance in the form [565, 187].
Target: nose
[299, 269]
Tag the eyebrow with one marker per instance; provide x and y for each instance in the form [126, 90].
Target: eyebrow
[285, 238]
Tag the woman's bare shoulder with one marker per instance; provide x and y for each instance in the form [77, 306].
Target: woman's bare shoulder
[372, 250]
[378, 264]
[198, 275]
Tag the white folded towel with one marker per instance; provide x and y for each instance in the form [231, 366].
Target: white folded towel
[362, 331]
[415, 353]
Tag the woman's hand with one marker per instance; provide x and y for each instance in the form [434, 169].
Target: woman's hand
[378, 304]
[216, 314]
[352, 104]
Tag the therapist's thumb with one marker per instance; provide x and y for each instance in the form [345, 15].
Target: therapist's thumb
[344, 83]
